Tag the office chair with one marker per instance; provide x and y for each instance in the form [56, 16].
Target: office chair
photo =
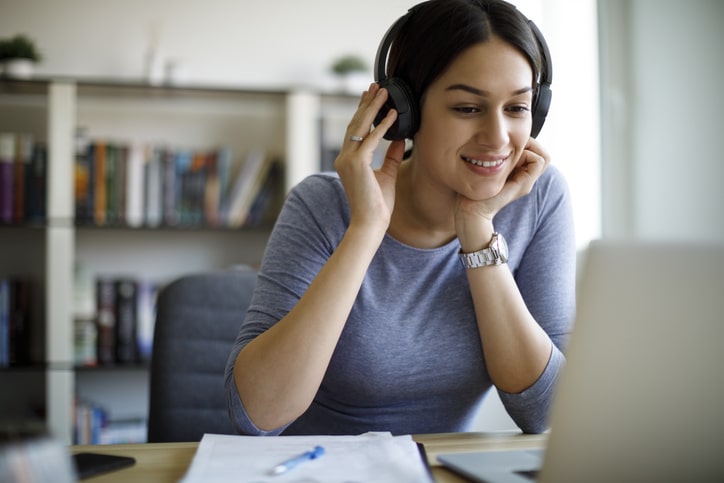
[197, 320]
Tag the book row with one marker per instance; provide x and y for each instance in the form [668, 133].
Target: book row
[120, 331]
[23, 165]
[92, 424]
[15, 306]
[153, 185]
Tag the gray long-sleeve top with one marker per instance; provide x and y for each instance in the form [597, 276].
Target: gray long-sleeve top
[409, 359]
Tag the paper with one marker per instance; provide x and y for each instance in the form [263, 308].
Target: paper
[370, 457]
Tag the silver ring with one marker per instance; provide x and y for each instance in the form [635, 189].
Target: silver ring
[357, 139]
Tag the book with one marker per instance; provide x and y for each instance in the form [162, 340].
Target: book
[85, 341]
[24, 153]
[212, 191]
[99, 182]
[180, 211]
[153, 186]
[4, 322]
[169, 215]
[89, 421]
[84, 316]
[147, 294]
[126, 320]
[134, 185]
[112, 174]
[122, 182]
[246, 186]
[224, 159]
[83, 174]
[106, 320]
[36, 184]
[269, 199]
[19, 331]
[7, 181]
[14, 321]
[195, 194]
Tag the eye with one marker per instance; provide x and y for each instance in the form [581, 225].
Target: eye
[467, 110]
[519, 109]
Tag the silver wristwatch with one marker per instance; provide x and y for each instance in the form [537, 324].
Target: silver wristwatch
[495, 254]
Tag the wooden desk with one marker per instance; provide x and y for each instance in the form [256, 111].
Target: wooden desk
[168, 462]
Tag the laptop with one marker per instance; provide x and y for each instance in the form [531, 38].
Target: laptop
[641, 398]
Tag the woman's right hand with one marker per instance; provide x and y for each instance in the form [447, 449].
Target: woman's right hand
[370, 193]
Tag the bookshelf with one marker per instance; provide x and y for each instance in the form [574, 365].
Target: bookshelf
[289, 125]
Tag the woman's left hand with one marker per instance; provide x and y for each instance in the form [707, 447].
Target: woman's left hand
[532, 163]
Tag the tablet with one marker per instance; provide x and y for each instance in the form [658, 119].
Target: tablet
[91, 464]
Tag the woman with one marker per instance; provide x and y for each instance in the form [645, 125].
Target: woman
[364, 318]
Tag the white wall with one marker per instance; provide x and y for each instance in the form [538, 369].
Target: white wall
[237, 42]
[662, 126]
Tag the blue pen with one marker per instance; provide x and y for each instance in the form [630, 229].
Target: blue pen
[287, 465]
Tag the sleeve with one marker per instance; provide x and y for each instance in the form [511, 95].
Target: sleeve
[309, 227]
[546, 277]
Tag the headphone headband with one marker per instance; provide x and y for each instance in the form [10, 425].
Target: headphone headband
[389, 37]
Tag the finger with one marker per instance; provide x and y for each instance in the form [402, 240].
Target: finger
[370, 104]
[535, 146]
[529, 169]
[393, 158]
[384, 125]
[369, 93]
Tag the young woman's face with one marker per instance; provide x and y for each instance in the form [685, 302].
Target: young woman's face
[476, 120]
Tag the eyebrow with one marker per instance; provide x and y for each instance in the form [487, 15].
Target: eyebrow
[484, 93]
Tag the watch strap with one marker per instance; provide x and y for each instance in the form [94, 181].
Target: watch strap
[486, 257]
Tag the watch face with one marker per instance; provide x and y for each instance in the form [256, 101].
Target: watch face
[502, 247]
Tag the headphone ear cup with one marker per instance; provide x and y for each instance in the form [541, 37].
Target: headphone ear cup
[541, 103]
[401, 99]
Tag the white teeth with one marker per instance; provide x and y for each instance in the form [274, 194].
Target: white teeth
[485, 164]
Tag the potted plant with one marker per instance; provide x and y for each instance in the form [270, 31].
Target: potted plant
[352, 71]
[18, 56]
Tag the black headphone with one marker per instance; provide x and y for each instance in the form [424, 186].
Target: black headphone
[401, 98]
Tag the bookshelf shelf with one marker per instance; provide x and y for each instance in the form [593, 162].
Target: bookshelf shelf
[140, 366]
[293, 126]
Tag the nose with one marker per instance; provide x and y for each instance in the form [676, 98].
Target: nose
[492, 130]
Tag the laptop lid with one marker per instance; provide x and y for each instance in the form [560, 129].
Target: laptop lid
[641, 398]
[642, 395]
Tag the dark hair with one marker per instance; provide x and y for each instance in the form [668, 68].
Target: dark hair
[437, 31]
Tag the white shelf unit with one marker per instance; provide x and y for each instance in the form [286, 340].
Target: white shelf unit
[285, 123]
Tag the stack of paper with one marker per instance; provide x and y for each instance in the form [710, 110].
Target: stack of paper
[370, 457]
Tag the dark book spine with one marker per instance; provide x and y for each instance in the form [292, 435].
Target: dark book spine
[126, 321]
[83, 180]
[268, 201]
[22, 162]
[121, 183]
[106, 320]
[7, 181]
[169, 208]
[111, 183]
[37, 183]
[20, 322]
[4, 322]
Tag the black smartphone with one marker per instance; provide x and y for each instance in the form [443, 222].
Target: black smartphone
[91, 464]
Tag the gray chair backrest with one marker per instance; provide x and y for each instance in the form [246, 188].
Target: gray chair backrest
[197, 320]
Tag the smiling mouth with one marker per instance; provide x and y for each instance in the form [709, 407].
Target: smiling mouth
[485, 164]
